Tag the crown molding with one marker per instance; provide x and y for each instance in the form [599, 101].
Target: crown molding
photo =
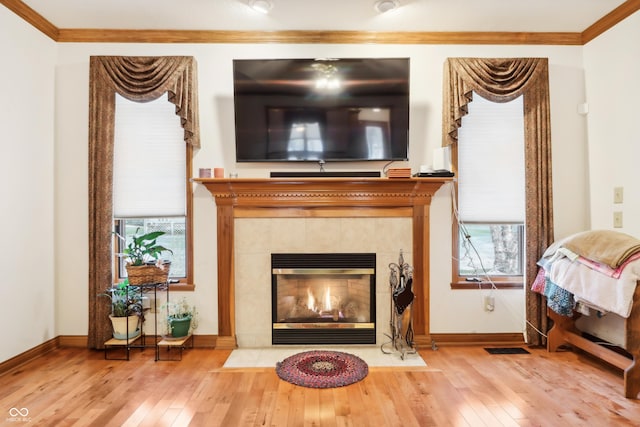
[311, 37]
[32, 17]
[608, 21]
[86, 35]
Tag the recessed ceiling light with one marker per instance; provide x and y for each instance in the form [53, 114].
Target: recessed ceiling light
[383, 6]
[262, 6]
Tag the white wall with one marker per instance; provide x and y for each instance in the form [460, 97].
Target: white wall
[216, 121]
[27, 188]
[612, 62]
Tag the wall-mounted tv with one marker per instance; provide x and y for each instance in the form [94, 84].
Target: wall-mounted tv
[322, 109]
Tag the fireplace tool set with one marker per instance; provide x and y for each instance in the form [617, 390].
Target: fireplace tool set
[401, 323]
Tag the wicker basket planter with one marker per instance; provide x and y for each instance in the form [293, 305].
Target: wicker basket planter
[148, 274]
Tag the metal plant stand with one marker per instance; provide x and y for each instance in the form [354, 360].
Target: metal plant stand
[401, 306]
[131, 343]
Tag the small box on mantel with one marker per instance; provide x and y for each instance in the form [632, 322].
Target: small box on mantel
[399, 173]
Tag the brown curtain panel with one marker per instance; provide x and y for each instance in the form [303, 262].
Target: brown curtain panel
[139, 79]
[501, 80]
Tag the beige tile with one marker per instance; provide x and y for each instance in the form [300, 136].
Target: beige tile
[287, 235]
[358, 235]
[268, 357]
[252, 235]
[322, 234]
[257, 238]
[393, 234]
[250, 271]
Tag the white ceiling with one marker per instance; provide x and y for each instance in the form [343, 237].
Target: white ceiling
[357, 15]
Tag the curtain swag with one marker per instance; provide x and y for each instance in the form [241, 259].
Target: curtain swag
[139, 79]
[143, 79]
[498, 80]
[502, 80]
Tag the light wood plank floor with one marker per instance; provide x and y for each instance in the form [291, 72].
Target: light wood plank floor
[462, 386]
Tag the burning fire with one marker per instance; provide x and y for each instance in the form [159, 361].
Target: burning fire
[311, 301]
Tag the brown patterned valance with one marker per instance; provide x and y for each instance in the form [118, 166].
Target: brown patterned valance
[141, 79]
[496, 79]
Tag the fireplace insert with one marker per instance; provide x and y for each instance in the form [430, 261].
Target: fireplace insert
[326, 298]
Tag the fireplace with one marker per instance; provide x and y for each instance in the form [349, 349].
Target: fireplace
[297, 199]
[323, 298]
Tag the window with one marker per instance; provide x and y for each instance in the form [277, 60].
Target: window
[499, 250]
[175, 239]
[151, 161]
[489, 237]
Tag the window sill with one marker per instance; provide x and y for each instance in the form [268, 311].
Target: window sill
[180, 287]
[486, 285]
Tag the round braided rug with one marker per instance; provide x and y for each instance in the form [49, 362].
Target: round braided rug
[322, 369]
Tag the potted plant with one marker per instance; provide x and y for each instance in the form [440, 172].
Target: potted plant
[142, 256]
[181, 319]
[127, 312]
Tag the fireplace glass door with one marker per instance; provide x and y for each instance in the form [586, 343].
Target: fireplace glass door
[323, 298]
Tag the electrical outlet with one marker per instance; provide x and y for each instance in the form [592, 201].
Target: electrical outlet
[617, 220]
[489, 303]
[618, 194]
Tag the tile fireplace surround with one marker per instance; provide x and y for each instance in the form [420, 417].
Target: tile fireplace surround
[258, 216]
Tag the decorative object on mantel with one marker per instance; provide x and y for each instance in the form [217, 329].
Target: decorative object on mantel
[322, 369]
[399, 173]
[402, 296]
[142, 254]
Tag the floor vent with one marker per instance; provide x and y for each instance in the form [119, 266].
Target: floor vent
[507, 350]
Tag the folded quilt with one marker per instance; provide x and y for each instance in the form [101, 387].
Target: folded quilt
[605, 246]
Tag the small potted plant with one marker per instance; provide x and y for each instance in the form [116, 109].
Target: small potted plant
[127, 312]
[142, 256]
[181, 319]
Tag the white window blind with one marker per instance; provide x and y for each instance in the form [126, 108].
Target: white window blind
[491, 175]
[149, 164]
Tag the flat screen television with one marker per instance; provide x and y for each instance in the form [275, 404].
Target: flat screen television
[311, 110]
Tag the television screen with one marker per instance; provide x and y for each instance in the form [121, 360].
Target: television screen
[321, 109]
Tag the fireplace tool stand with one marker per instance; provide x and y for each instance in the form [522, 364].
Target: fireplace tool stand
[401, 320]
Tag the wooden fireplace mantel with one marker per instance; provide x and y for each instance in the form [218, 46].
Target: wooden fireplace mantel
[322, 198]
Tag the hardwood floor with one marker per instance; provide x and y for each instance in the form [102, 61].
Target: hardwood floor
[462, 386]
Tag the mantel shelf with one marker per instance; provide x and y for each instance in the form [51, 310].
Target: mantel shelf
[321, 197]
[266, 192]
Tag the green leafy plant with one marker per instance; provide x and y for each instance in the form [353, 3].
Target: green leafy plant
[180, 309]
[125, 301]
[143, 248]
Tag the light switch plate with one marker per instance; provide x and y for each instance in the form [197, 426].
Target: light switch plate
[617, 220]
[618, 194]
